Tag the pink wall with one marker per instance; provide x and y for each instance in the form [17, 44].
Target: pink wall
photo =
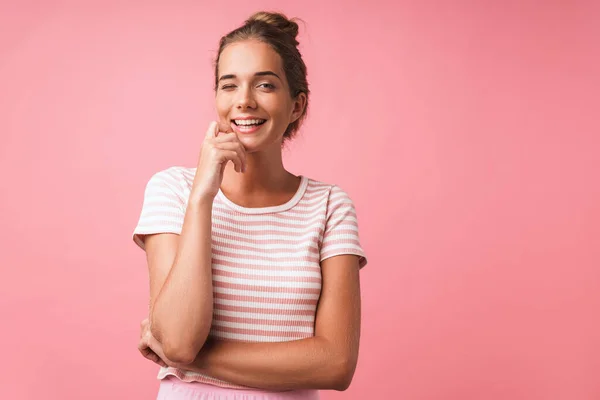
[464, 132]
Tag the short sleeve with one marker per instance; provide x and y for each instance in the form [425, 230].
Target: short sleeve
[341, 228]
[163, 208]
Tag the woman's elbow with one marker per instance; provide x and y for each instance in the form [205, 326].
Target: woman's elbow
[180, 350]
[179, 354]
[342, 382]
[343, 374]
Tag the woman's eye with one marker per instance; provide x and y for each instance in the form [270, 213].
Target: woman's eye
[267, 86]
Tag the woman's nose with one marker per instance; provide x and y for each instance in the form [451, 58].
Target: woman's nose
[245, 99]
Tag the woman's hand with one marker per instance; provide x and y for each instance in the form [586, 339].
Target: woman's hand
[218, 149]
[150, 347]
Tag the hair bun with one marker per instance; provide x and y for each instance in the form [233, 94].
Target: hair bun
[277, 20]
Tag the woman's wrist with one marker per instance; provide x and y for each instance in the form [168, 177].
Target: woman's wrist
[200, 199]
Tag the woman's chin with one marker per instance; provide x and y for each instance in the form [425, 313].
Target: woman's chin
[254, 143]
[251, 144]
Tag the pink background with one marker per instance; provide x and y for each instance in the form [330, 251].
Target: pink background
[464, 131]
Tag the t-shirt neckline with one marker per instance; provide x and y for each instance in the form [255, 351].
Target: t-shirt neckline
[271, 209]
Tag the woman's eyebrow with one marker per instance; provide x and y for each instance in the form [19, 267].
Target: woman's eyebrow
[266, 73]
[261, 73]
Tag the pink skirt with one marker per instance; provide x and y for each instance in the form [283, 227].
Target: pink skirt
[172, 388]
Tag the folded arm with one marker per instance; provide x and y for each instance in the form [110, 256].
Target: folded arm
[325, 361]
[181, 303]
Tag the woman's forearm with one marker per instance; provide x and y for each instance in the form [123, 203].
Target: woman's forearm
[312, 363]
[182, 312]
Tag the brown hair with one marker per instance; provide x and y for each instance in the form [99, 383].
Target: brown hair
[276, 30]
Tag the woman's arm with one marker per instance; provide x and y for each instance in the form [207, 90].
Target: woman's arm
[181, 311]
[325, 361]
[181, 303]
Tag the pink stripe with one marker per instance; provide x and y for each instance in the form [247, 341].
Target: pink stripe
[255, 247]
[168, 178]
[254, 299]
[194, 377]
[266, 289]
[339, 252]
[292, 212]
[299, 279]
[263, 321]
[284, 235]
[342, 212]
[164, 212]
[269, 311]
[258, 332]
[301, 221]
[293, 241]
[265, 267]
[331, 242]
[315, 257]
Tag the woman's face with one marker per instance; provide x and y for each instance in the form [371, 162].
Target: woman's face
[253, 97]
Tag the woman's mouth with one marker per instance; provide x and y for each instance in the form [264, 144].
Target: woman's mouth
[247, 125]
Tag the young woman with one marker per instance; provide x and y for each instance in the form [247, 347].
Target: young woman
[254, 271]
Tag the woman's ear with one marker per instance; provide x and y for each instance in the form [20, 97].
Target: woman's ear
[299, 106]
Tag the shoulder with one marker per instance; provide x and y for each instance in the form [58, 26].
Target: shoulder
[332, 192]
[176, 177]
[172, 181]
[327, 188]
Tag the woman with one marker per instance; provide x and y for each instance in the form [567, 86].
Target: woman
[254, 283]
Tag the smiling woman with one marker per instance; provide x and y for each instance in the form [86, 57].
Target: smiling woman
[253, 75]
[254, 271]
[267, 40]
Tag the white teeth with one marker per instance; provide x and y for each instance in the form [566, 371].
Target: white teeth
[249, 121]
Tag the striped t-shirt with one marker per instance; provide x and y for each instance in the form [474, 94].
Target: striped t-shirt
[265, 261]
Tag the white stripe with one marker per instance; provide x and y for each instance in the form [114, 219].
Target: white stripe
[269, 273]
[303, 213]
[157, 204]
[250, 338]
[332, 247]
[267, 295]
[260, 228]
[151, 230]
[199, 377]
[344, 219]
[160, 220]
[339, 196]
[270, 317]
[266, 218]
[266, 283]
[341, 236]
[259, 252]
[269, 328]
[327, 247]
[161, 189]
[268, 306]
[282, 263]
[284, 247]
[306, 237]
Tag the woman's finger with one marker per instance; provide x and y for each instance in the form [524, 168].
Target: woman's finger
[152, 356]
[237, 147]
[155, 358]
[148, 353]
[234, 157]
[212, 131]
[226, 137]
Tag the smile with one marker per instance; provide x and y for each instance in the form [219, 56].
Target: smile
[247, 125]
[249, 122]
